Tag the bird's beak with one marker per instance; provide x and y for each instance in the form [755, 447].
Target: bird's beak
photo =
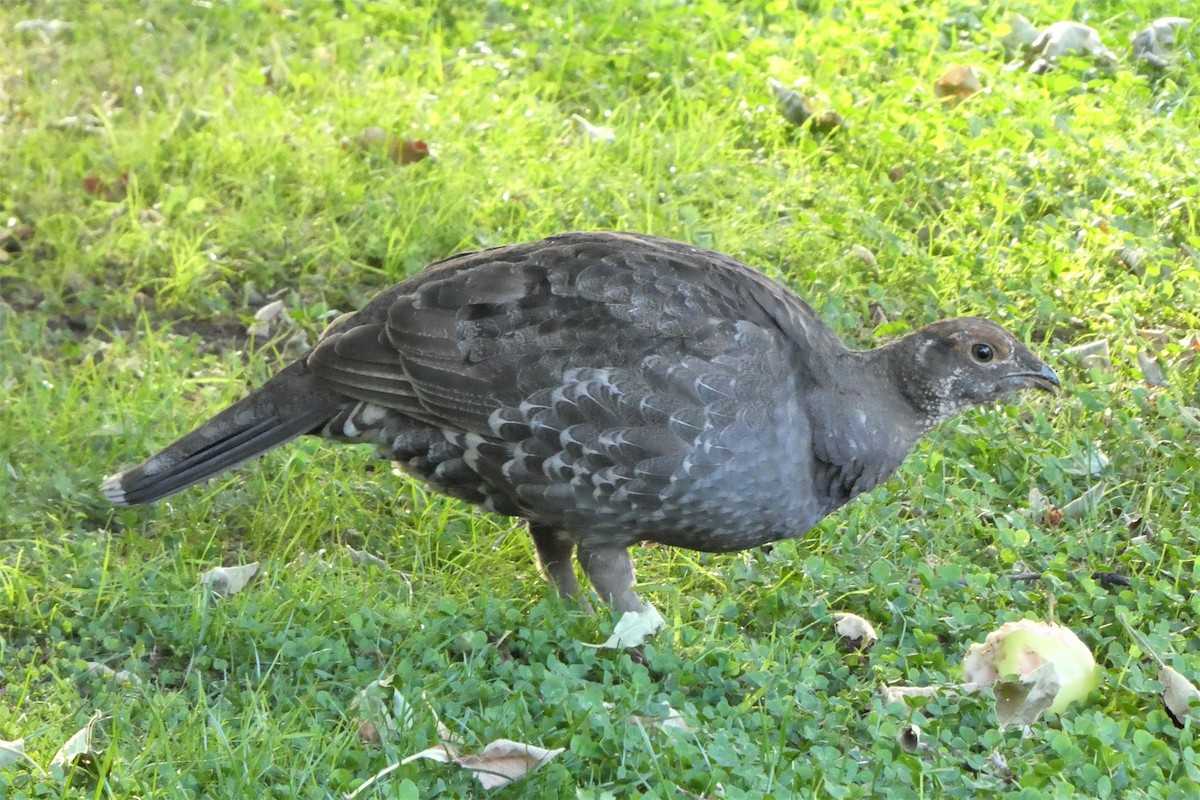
[1045, 379]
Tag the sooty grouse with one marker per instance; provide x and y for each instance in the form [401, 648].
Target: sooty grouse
[612, 388]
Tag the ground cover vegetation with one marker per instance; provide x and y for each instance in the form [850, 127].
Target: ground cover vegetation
[169, 169]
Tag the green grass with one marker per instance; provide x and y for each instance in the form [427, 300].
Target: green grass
[204, 187]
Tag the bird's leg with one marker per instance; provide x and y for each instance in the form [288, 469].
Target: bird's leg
[554, 551]
[610, 569]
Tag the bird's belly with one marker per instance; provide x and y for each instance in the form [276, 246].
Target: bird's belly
[737, 480]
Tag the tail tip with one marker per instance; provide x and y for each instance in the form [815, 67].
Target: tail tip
[113, 490]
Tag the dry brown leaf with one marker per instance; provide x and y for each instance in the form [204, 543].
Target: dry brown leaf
[958, 83]
[501, 762]
[407, 151]
[368, 734]
[857, 634]
[227, 581]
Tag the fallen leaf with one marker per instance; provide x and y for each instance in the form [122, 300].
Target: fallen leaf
[1021, 34]
[11, 752]
[49, 28]
[118, 676]
[633, 629]
[909, 738]
[857, 634]
[1020, 702]
[267, 318]
[363, 558]
[1152, 44]
[111, 190]
[1152, 372]
[407, 151]
[501, 762]
[87, 123]
[383, 703]
[864, 255]
[1180, 696]
[673, 720]
[1066, 37]
[1092, 463]
[1092, 354]
[899, 694]
[228, 581]
[959, 83]
[75, 750]
[597, 133]
[1086, 504]
[794, 105]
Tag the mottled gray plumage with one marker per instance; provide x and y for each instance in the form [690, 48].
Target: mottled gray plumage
[612, 388]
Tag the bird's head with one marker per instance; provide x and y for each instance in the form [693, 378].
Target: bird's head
[950, 366]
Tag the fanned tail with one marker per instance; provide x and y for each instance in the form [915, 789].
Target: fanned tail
[291, 404]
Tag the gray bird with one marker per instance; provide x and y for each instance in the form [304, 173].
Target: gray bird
[612, 388]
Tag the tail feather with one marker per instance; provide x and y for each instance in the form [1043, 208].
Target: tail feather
[291, 404]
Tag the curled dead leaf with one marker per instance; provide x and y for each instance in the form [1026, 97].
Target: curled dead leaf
[1065, 37]
[633, 629]
[1152, 371]
[49, 28]
[227, 581]
[857, 635]
[1091, 354]
[76, 752]
[1086, 504]
[1021, 701]
[798, 110]
[958, 83]
[1153, 43]
[501, 762]
[1180, 696]
[118, 676]
[267, 318]
[597, 133]
[407, 151]
[11, 752]
[901, 694]
[1020, 34]
[909, 738]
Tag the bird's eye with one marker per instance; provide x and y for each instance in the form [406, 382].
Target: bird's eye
[982, 353]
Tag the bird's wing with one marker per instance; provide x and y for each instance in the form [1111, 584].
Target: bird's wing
[487, 330]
